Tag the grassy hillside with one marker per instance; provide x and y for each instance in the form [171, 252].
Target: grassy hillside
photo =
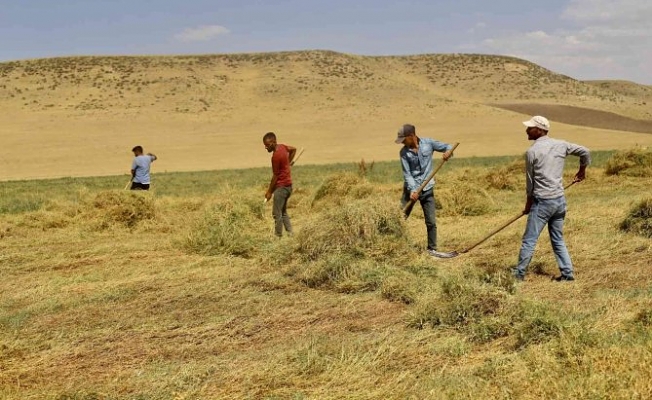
[80, 116]
[184, 292]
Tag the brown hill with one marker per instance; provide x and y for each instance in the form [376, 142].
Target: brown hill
[204, 111]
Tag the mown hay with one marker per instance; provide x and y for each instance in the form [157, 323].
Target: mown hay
[639, 219]
[399, 288]
[352, 248]
[340, 188]
[507, 177]
[463, 199]
[634, 162]
[484, 310]
[228, 227]
[466, 306]
[118, 208]
[362, 228]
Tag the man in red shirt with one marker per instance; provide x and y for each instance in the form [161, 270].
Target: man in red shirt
[281, 184]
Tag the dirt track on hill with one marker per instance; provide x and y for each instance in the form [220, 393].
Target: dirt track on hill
[581, 116]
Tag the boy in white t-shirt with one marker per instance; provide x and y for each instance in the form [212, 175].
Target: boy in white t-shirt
[140, 178]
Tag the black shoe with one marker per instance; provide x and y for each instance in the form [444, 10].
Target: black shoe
[563, 278]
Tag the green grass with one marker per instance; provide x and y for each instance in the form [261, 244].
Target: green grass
[20, 196]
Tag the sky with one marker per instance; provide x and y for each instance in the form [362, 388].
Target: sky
[584, 39]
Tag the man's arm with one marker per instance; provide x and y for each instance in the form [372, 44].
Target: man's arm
[442, 148]
[585, 159]
[133, 169]
[292, 151]
[529, 182]
[153, 156]
[272, 186]
[407, 175]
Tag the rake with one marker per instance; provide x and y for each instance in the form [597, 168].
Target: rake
[508, 223]
[411, 203]
[297, 157]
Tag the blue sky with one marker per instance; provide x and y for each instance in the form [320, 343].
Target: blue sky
[586, 39]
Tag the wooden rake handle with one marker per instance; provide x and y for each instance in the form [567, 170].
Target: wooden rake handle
[508, 223]
[410, 203]
[297, 157]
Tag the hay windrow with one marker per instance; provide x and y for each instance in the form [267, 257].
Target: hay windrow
[106, 209]
[463, 199]
[351, 248]
[635, 162]
[639, 219]
[364, 228]
[340, 188]
[507, 177]
[231, 227]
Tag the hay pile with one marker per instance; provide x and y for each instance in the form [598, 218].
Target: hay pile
[351, 248]
[463, 199]
[635, 162]
[108, 209]
[341, 188]
[232, 227]
[639, 219]
[507, 177]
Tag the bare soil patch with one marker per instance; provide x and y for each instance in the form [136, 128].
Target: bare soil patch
[581, 116]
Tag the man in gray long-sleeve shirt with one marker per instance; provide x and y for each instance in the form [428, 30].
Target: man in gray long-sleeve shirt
[546, 204]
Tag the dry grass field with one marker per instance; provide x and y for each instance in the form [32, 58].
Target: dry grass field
[183, 293]
[80, 116]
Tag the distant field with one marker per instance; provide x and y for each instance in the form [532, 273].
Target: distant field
[80, 116]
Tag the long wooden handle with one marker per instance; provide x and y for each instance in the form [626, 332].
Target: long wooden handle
[508, 223]
[410, 203]
[297, 158]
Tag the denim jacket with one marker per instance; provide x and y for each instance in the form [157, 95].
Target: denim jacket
[417, 167]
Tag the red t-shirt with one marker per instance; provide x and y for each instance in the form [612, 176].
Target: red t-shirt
[281, 166]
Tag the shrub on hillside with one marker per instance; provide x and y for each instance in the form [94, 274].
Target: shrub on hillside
[635, 162]
[639, 219]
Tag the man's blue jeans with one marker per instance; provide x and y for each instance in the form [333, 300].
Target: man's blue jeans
[551, 212]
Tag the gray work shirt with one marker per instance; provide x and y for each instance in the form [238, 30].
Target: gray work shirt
[544, 164]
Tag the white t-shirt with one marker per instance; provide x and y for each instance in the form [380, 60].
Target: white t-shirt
[141, 166]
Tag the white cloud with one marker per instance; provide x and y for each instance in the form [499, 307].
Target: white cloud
[201, 33]
[602, 38]
[478, 27]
